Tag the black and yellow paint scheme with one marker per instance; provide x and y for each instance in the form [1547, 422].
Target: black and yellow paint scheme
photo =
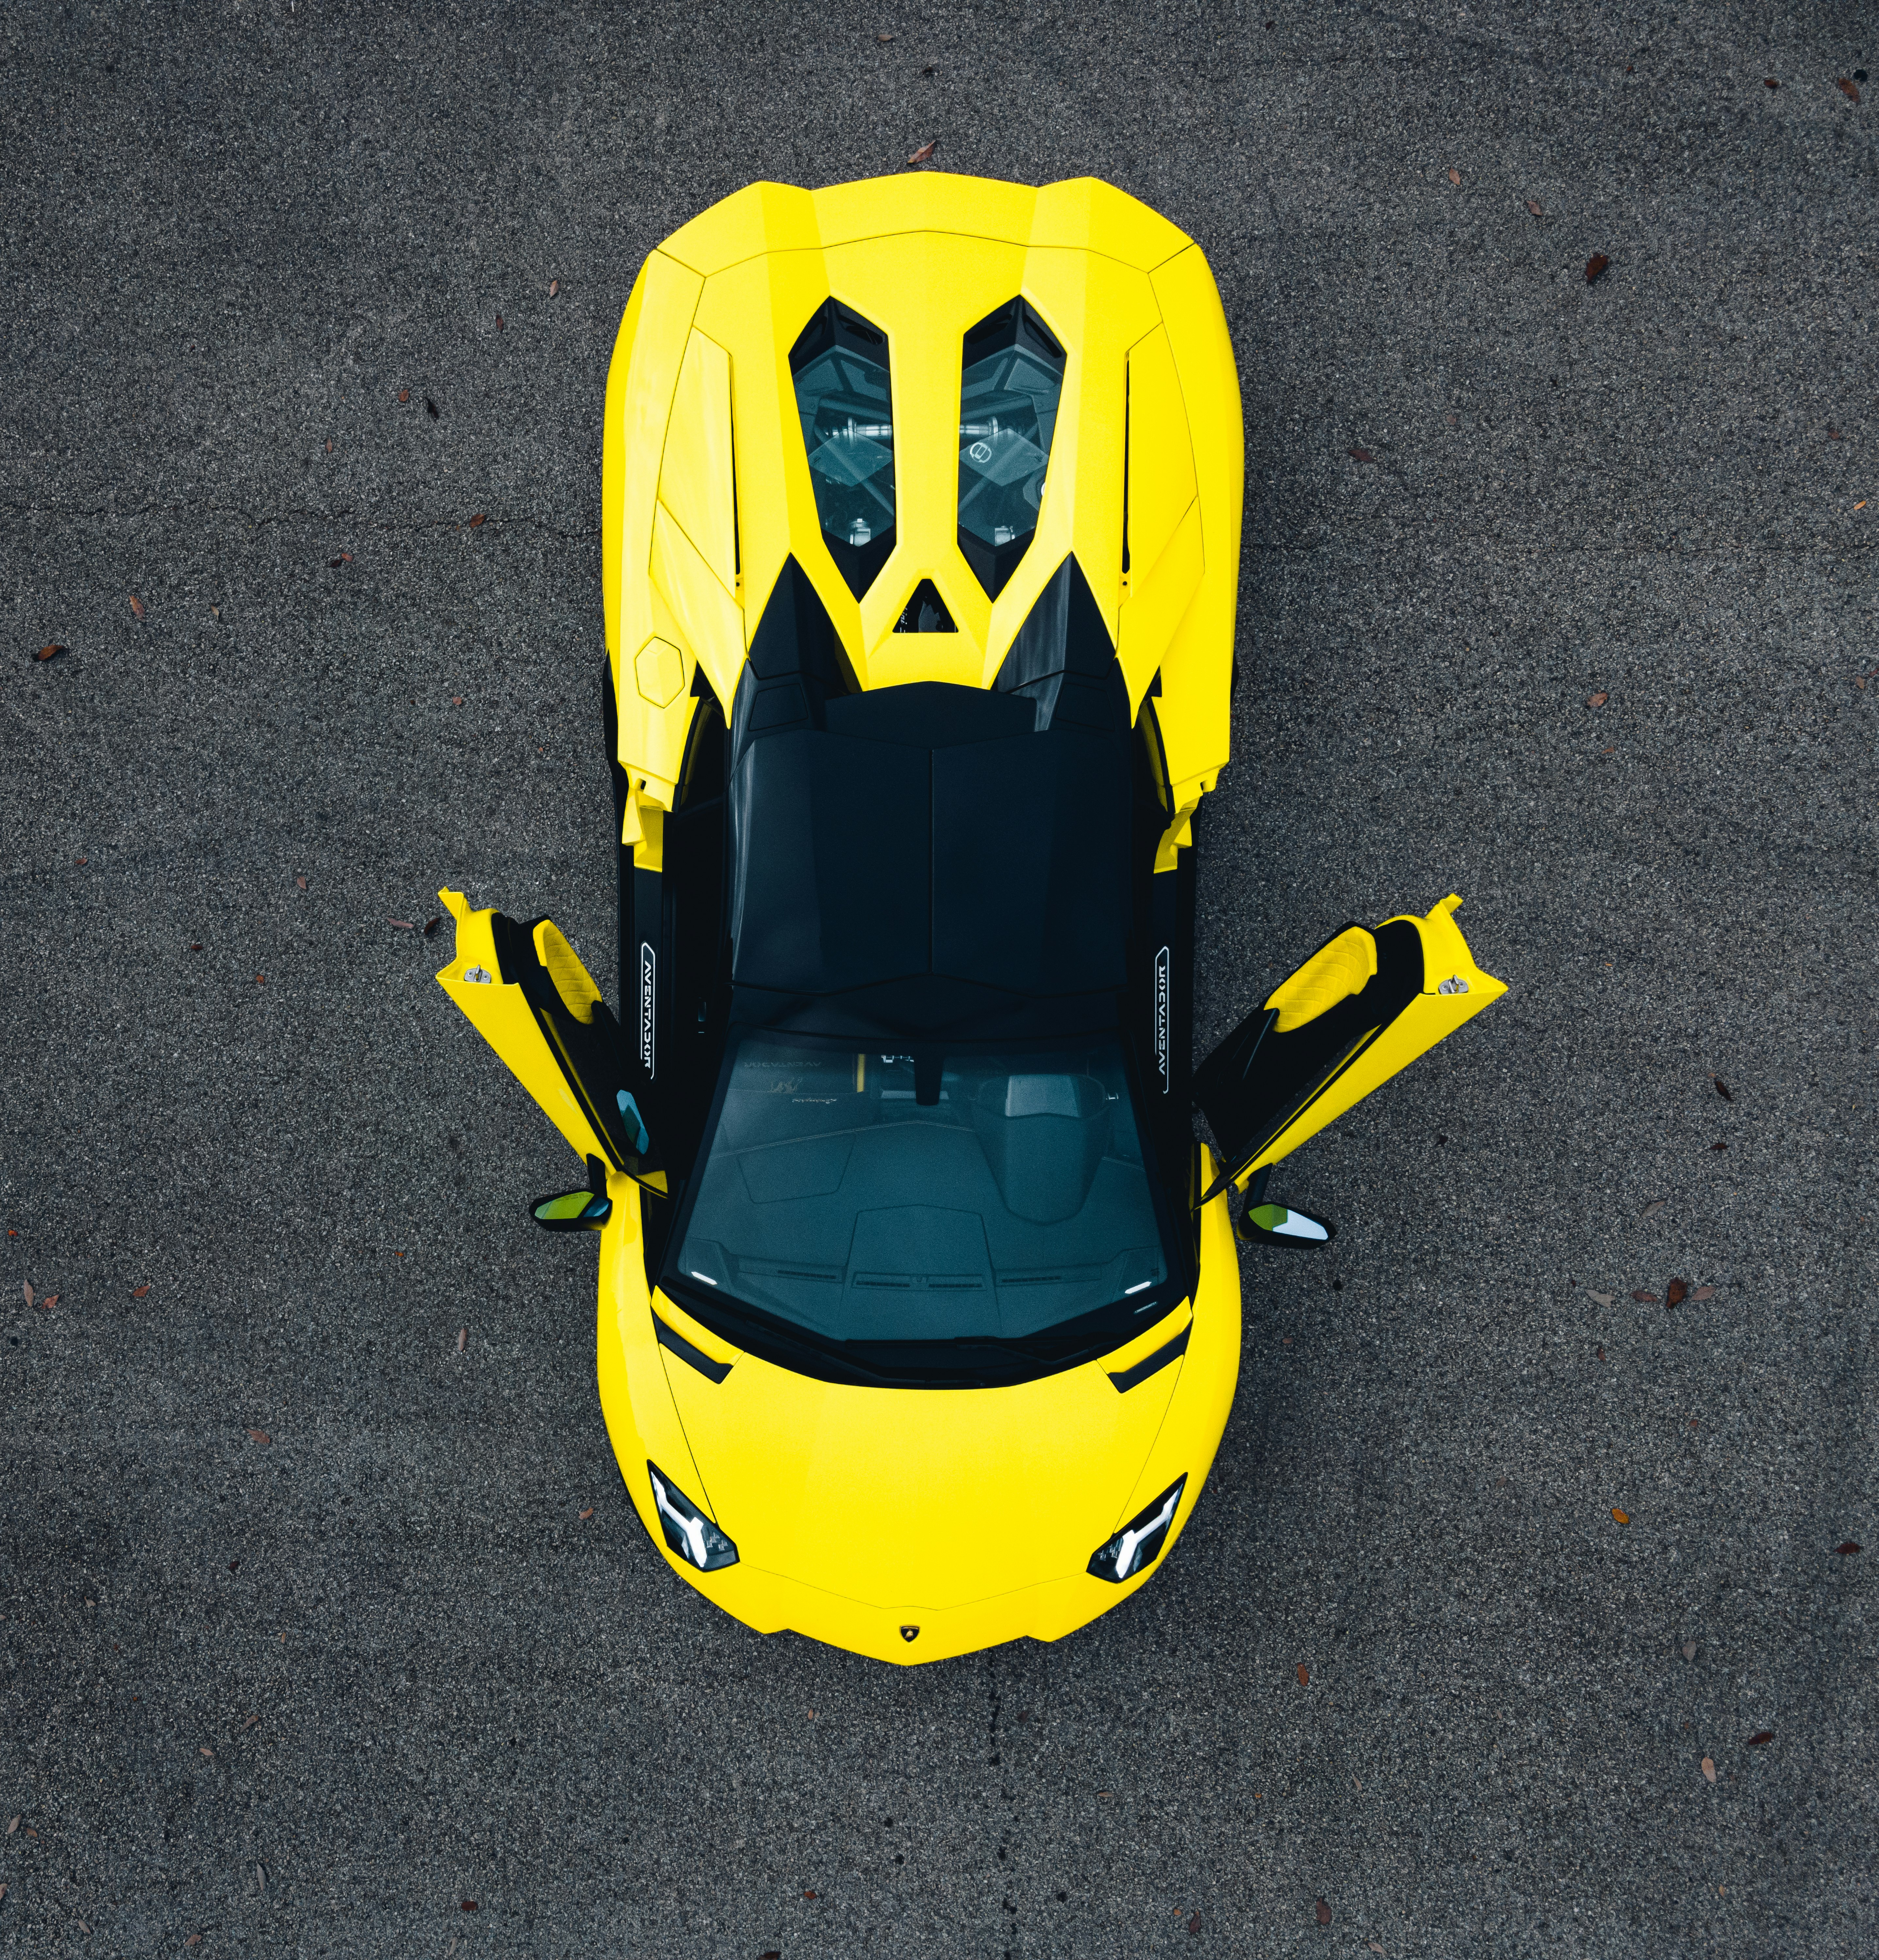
[919, 1302]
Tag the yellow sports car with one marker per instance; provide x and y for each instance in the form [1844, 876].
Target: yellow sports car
[919, 1303]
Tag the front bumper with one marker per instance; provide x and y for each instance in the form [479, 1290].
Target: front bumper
[642, 1423]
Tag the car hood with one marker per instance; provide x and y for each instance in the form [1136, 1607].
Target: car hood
[918, 1497]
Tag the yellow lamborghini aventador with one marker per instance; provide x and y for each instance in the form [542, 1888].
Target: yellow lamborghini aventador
[920, 1305]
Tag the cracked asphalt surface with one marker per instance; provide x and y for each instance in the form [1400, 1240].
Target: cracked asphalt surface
[321, 1693]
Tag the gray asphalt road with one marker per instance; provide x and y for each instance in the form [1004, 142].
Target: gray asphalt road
[316, 1694]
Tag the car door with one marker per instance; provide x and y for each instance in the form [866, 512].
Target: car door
[524, 990]
[1361, 1008]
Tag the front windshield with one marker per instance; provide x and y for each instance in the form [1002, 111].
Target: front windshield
[869, 1198]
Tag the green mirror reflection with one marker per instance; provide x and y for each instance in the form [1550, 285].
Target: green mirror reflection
[1279, 1225]
[572, 1211]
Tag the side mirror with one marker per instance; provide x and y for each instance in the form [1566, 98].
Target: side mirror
[572, 1211]
[1279, 1225]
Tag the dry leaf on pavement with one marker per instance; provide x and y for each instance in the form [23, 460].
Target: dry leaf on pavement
[209, 1753]
[47, 652]
[1847, 1550]
[1709, 1769]
[404, 925]
[587, 1513]
[1761, 1736]
[1603, 1299]
[1722, 1088]
[481, 517]
[404, 394]
[259, 1436]
[1623, 1517]
[462, 1338]
[1704, 1293]
[1304, 1675]
[924, 154]
[1454, 176]
[48, 1302]
[1595, 268]
[1649, 1299]
[1598, 700]
[13, 1827]
[26, 1287]
[1362, 455]
[554, 287]
[136, 605]
[1533, 205]
[1849, 88]
[1768, 81]
[1675, 1293]
[1323, 1912]
[1689, 1650]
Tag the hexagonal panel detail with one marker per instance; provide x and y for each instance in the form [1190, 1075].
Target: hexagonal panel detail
[660, 671]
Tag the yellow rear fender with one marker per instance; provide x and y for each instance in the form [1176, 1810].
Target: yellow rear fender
[1361, 1009]
[524, 990]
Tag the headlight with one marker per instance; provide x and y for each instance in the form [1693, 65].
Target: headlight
[688, 1530]
[1139, 1542]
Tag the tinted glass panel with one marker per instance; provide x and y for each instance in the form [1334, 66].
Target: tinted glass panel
[839, 365]
[982, 1196]
[1007, 411]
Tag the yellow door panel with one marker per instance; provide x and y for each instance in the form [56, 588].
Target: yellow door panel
[571, 981]
[530, 998]
[1084, 214]
[695, 472]
[1162, 484]
[907, 1497]
[1159, 597]
[1362, 1008]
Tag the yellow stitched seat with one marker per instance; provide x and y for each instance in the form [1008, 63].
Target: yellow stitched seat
[572, 981]
[1331, 975]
